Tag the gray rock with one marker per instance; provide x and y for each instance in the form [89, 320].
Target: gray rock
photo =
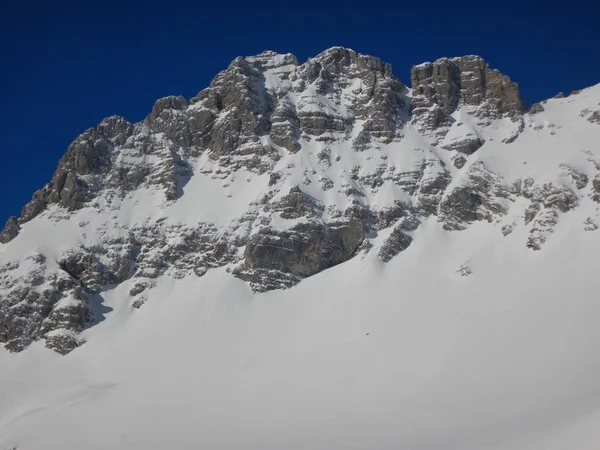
[63, 343]
[319, 122]
[10, 231]
[594, 117]
[464, 270]
[274, 177]
[138, 302]
[590, 224]
[460, 207]
[140, 287]
[263, 280]
[507, 229]
[467, 79]
[468, 146]
[297, 204]
[285, 126]
[459, 161]
[397, 242]
[173, 102]
[543, 227]
[71, 316]
[87, 269]
[115, 129]
[300, 252]
[515, 134]
[580, 179]
[553, 196]
[269, 59]
[38, 303]
[389, 216]
[76, 178]
[596, 189]
[547, 200]
[239, 90]
[426, 182]
[481, 195]
[380, 102]
[536, 108]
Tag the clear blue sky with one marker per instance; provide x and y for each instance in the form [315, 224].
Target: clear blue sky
[67, 66]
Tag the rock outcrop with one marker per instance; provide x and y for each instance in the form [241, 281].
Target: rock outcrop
[397, 242]
[282, 258]
[479, 195]
[468, 81]
[41, 303]
[10, 231]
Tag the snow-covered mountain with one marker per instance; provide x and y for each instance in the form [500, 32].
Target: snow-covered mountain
[313, 256]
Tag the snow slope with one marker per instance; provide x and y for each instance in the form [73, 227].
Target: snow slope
[364, 355]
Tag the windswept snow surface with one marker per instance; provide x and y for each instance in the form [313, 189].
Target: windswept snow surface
[365, 355]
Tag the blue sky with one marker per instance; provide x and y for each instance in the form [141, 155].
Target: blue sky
[67, 66]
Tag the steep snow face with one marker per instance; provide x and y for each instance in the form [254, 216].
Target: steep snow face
[313, 255]
[411, 354]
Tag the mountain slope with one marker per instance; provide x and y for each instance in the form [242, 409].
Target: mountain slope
[199, 253]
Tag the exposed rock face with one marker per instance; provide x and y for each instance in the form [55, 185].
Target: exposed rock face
[425, 182]
[276, 171]
[10, 231]
[287, 256]
[480, 195]
[40, 303]
[77, 178]
[297, 204]
[468, 145]
[542, 228]
[63, 343]
[87, 269]
[464, 270]
[596, 189]
[590, 224]
[397, 242]
[468, 79]
[547, 201]
[536, 108]
[441, 87]
[285, 126]
[579, 178]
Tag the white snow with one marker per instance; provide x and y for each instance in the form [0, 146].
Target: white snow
[505, 359]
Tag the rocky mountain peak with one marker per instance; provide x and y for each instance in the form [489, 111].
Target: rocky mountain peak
[337, 60]
[10, 231]
[466, 80]
[280, 170]
[271, 60]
